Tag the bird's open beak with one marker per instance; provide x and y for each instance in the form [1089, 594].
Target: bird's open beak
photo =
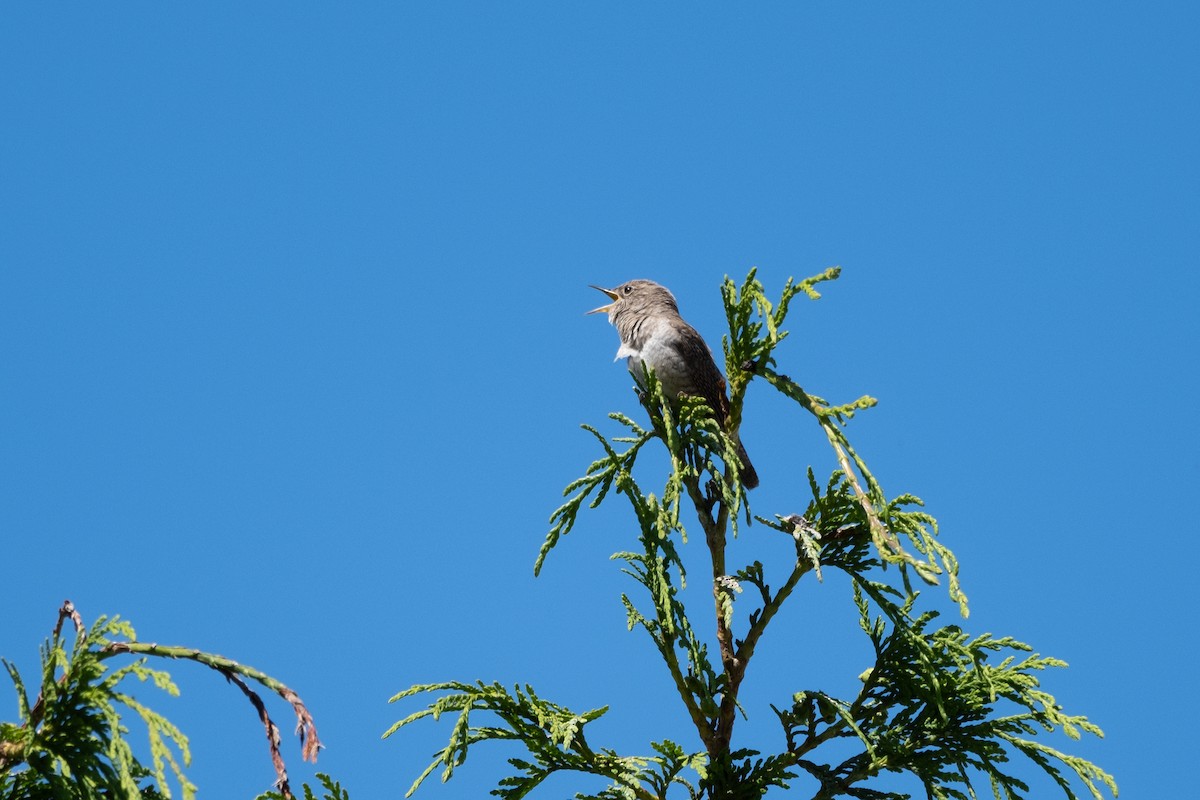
[611, 296]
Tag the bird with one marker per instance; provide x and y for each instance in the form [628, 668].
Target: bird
[652, 332]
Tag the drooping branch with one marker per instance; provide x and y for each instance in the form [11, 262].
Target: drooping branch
[234, 672]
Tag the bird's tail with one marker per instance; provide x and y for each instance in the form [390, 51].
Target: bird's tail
[748, 473]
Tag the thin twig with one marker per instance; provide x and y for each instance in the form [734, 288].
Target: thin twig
[68, 610]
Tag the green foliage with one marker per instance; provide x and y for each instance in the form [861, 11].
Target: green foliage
[71, 740]
[931, 704]
[554, 737]
[692, 437]
[949, 708]
[333, 791]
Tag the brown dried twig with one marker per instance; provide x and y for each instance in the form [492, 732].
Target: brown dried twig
[281, 777]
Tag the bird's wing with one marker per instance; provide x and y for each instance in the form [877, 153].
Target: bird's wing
[708, 381]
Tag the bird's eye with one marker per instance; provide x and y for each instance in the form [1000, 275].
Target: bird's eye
[628, 289]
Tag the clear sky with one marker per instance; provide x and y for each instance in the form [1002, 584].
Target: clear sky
[294, 353]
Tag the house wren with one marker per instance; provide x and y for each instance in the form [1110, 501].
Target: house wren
[652, 332]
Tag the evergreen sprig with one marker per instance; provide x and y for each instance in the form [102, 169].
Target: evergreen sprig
[931, 705]
[599, 478]
[696, 681]
[554, 737]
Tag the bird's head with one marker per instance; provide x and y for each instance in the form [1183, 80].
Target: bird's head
[636, 297]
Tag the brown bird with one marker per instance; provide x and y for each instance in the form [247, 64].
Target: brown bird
[652, 332]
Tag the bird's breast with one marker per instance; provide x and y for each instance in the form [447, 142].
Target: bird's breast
[664, 358]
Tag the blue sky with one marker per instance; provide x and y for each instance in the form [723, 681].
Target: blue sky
[295, 358]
